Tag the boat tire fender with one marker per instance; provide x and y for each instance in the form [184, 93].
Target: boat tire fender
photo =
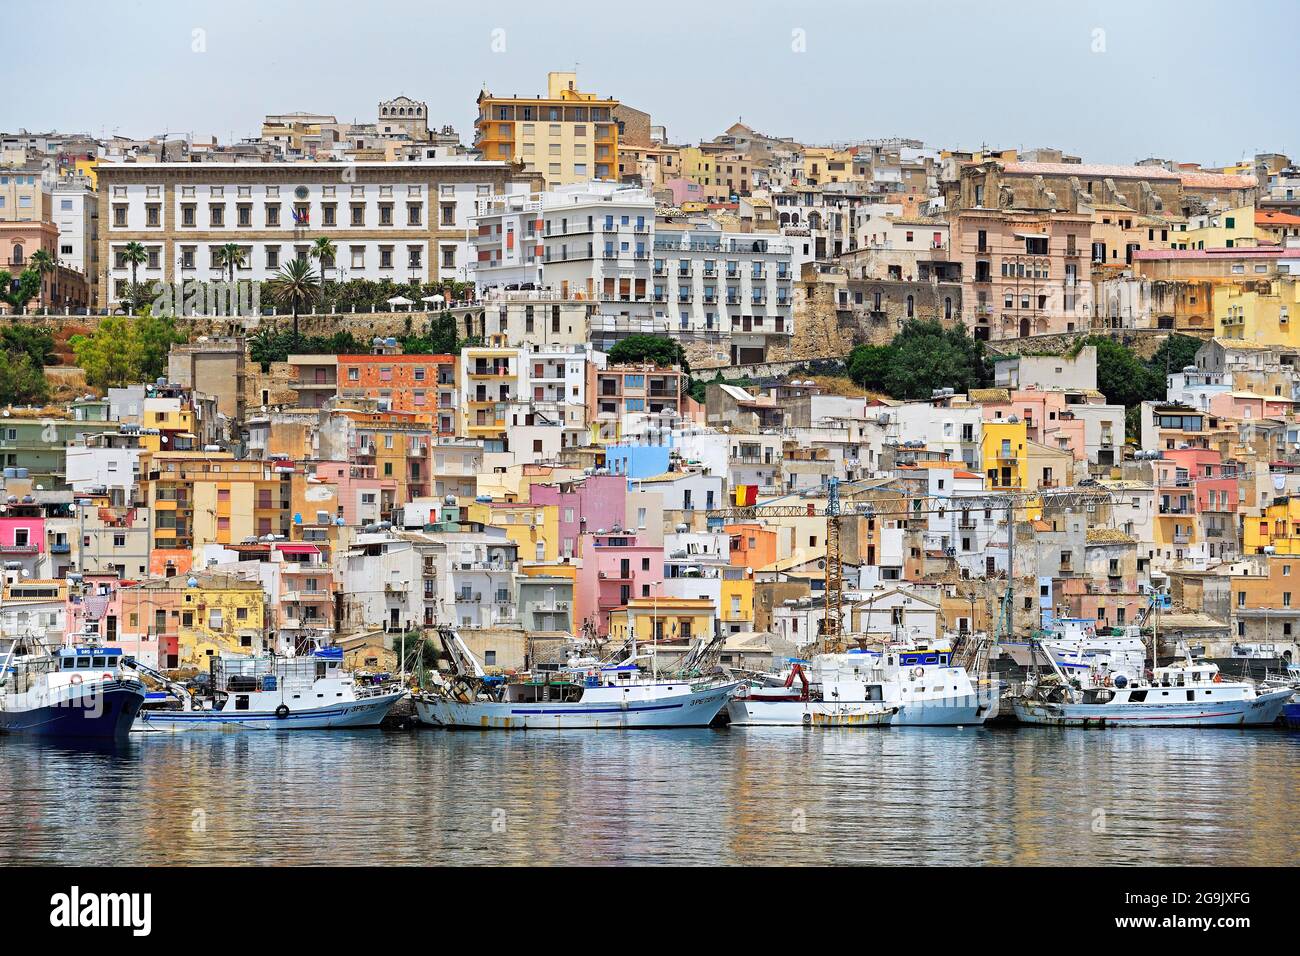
[807, 719]
[918, 672]
[282, 711]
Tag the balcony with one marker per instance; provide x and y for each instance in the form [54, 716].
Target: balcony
[307, 597]
[18, 549]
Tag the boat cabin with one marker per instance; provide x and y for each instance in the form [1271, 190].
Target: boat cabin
[89, 658]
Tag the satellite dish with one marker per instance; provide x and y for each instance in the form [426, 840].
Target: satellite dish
[1279, 482]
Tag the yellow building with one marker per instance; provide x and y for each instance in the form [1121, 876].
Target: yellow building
[1229, 229]
[823, 165]
[663, 619]
[1004, 454]
[217, 614]
[567, 136]
[1270, 317]
[89, 169]
[534, 528]
[201, 498]
[1277, 528]
[737, 597]
[225, 616]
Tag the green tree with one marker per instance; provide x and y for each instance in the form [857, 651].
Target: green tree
[294, 287]
[230, 257]
[155, 335]
[649, 348]
[868, 365]
[1175, 353]
[22, 381]
[925, 356]
[44, 264]
[440, 339]
[269, 344]
[16, 293]
[110, 356]
[324, 251]
[1121, 376]
[36, 341]
[135, 255]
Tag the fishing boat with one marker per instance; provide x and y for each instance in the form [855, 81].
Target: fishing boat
[915, 685]
[1290, 680]
[310, 692]
[1187, 694]
[73, 692]
[1077, 647]
[823, 701]
[582, 694]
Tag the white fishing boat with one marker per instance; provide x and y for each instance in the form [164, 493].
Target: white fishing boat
[310, 692]
[583, 694]
[72, 692]
[899, 686]
[819, 702]
[1077, 648]
[1187, 694]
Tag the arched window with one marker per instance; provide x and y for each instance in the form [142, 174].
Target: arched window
[18, 254]
[947, 307]
[911, 306]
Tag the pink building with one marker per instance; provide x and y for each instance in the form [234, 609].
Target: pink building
[615, 568]
[685, 190]
[587, 504]
[362, 495]
[22, 539]
[1048, 419]
[1249, 406]
[119, 614]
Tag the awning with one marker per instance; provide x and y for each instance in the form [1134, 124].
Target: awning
[1031, 235]
[298, 549]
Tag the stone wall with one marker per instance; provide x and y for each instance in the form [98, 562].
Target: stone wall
[1143, 342]
[276, 382]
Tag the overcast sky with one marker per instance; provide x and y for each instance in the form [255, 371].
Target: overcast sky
[1191, 80]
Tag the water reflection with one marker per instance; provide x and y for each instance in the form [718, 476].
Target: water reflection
[758, 796]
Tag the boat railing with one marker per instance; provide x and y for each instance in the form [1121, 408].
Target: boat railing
[365, 691]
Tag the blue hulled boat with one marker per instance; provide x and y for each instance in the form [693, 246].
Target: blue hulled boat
[75, 692]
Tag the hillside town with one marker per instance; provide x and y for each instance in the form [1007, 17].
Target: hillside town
[564, 383]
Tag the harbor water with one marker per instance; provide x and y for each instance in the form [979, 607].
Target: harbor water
[733, 797]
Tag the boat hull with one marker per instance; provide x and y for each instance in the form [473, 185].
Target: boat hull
[100, 710]
[752, 712]
[695, 708]
[945, 712]
[1263, 711]
[367, 712]
[1291, 715]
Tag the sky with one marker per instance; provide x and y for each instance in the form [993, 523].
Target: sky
[1190, 80]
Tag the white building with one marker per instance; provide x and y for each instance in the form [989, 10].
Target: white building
[401, 221]
[732, 290]
[76, 213]
[586, 241]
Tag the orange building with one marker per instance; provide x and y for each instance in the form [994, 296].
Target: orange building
[423, 384]
[752, 545]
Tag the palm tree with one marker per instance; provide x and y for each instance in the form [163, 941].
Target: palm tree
[293, 287]
[231, 257]
[134, 254]
[323, 251]
[43, 263]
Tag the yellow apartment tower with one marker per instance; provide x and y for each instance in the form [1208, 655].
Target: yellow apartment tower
[567, 136]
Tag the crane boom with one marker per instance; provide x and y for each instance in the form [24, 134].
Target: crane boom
[905, 507]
